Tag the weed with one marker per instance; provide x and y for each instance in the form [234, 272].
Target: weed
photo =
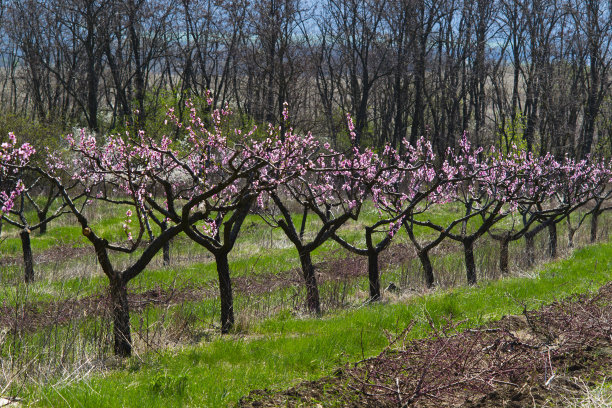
[166, 385]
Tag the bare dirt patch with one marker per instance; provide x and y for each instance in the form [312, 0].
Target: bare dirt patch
[519, 361]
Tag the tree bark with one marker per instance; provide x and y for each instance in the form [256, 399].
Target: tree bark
[530, 249]
[92, 75]
[139, 81]
[570, 236]
[42, 215]
[225, 292]
[28, 262]
[418, 104]
[166, 247]
[303, 225]
[504, 256]
[552, 240]
[470, 264]
[121, 317]
[166, 253]
[374, 276]
[312, 290]
[427, 268]
[594, 224]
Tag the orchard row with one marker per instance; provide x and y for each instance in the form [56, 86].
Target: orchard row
[205, 179]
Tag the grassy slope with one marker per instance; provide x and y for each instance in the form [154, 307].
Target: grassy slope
[284, 350]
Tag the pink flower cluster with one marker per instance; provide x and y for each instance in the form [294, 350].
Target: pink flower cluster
[12, 159]
[208, 165]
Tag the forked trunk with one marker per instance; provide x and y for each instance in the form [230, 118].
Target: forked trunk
[121, 317]
[470, 264]
[225, 292]
[312, 290]
[28, 262]
[374, 276]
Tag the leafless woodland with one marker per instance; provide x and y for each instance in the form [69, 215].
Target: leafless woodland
[531, 72]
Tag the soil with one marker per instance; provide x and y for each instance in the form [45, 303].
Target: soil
[529, 360]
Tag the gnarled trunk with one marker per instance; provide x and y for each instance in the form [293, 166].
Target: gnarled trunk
[312, 290]
[121, 317]
[225, 292]
[28, 262]
[374, 276]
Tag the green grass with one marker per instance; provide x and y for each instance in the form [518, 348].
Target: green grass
[283, 350]
[275, 352]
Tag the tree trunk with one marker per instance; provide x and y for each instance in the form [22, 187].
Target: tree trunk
[552, 240]
[166, 247]
[92, 75]
[312, 290]
[121, 317]
[139, 81]
[374, 276]
[530, 249]
[418, 109]
[427, 268]
[225, 291]
[570, 236]
[303, 225]
[504, 256]
[28, 262]
[470, 264]
[594, 224]
[42, 215]
[166, 253]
